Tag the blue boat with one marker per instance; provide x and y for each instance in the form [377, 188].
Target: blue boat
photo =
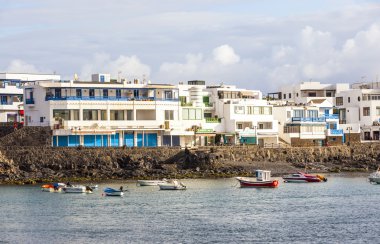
[112, 192]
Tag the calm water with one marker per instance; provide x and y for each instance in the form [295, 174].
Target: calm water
[343, 210]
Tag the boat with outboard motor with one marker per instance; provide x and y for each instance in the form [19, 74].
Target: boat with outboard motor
[151, 182]
[262, 180]
[172, 185]
[108, 191]
[76, 189]
[301, 177]
[55, 187]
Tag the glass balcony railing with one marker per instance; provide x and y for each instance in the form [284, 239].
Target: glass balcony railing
[107, 98]
[331, 116]
[301, 119]
[336, 132]
[213, 120]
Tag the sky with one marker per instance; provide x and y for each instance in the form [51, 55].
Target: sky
[253, 44]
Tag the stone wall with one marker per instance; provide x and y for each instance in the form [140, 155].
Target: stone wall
[42, 164]
[28, 136]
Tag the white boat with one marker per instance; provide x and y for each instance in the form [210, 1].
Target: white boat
[151, 182]
[172, 185]
[374, 178]
[112, 192]
[76, 189]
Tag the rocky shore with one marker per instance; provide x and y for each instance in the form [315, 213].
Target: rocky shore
[29, 165]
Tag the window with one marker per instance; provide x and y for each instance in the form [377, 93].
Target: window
[358, 99]
[312, 113]
[74, 114]
[92, 93]
[297, 94]
[284, 96]
[103, 115]
[349, 99]
[168, 95]
[78, 93]
[58, 92]
[290, 95]
[378, 111]
[239, 109]
[249, 109]
[329, 94]
[191, 114]
[240, 126]
[61, 114]
[129, 114]
[298, 113]
[105, 93]
[182, 99]
[118, 93]
[366, 111]
[90, 114]
[169, 115]
[312, 94]
[288, 114]
[116, 114]
[339, 101]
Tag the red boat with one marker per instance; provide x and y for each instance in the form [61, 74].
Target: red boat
[262, 180]
[301, 177]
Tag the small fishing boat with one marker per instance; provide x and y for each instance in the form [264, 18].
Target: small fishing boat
[55, 187]
[151, 182]
[172, 185]
[76, 189]
[108, 191]
[374, 178]
[262, 180]
[301, 177]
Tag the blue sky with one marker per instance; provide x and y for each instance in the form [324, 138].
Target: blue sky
[254, 44]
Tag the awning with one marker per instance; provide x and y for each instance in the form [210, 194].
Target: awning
[205, 134]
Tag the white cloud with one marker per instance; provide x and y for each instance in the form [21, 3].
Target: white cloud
[20, 66]
[225, 55]
[126, 67]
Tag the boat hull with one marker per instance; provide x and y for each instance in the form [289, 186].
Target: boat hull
[374, 180]
[114, 194]
[170, 187]
[76, 189]
[246, 183]
[150, 182]
[303, 180]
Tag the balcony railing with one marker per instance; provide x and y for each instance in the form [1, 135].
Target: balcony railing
[213, 120]
[331, 116]
[336, 132]
[29, 101]
[301, 119]
[108, 98]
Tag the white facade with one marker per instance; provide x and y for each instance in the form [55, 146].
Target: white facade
[103, 113]
[359, 110]
[315, 123]
[11, 94]
[303, 92]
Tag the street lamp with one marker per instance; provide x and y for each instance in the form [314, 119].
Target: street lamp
[349, 134]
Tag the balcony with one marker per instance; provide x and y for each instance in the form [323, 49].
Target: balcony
[213, 120]
[29, 101]
[331, 116]
[107, 98]
[302, 119]
[335, 132]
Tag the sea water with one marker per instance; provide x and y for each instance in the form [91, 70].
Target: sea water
[342, 210]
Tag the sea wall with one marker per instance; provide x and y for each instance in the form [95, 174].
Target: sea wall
[20, 164]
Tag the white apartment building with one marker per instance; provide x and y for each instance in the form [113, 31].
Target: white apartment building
[303, 92]
[11, 94]
[359, 110]
[104, 112]
[315, 123]
[245, 117]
